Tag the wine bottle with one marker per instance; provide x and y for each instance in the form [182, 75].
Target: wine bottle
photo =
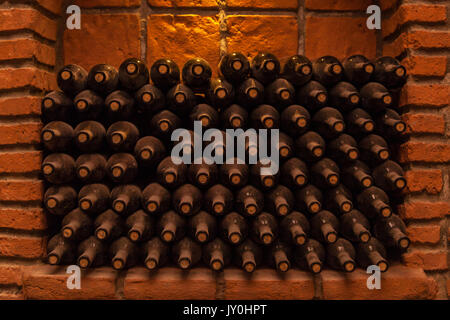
[207, 115]
[140, 226]
[343, 148]
[234, 117]
[374, 202]
[108, 226]
[339, 200]
[57, 106]
[91, 253]
[76, 225]
[220, 93]
[122, 167]
[344, 96]
[310, 146]
[89, 105]
[196, 74]
[372, 253]
[164, 123]
[133, 74]
[389, 72]
[390, 124]
[187, 199]
[120, 105]
[265, 67]
[389, 176]
[234, 67]
[90, 167]
[279, 256]
[264, 229]
[359, 123]
[375, 97]
[265, 117]
[149, 151]
[171, 226]
[126, 199]
[310, 256]
[155, 253]
[355, 227]
[249, 201]
[357, 176]
[374, 149]
[392, 232]
[327, 70]
[218, 200]
[165, 74]
[217, 254]
[250, 93]
[202, 227]
[122, 136]
[328, 122]
[169, 174]
[186, 253]
[72, 79]
[358, 69]
[89, 136]
[341, 255]
[324, 227]
[297, 70]
[295, 228]
[248, 256]
[260, 179]
[295, 120]
[149, 99]
[234, 175]
[280, 93]
[203, 175]
[57, 136]
[309, 199]
[94, 198]
[294, 173]
[313, 95]
[58, 168]
[180, 100]
[103, 79]
[155, 199]
[60, 250]
[280, 201]
[123, 253]
[325, 173]
[233, 228]
[60, 199]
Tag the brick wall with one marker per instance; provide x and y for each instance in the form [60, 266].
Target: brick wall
[34, 43]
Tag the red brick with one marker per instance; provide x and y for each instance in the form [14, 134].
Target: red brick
[448, 288]
[182, 37]
[170, 284]
[426, 66]
[268, 4]
[424, 210]
[45, 282]
[12, 78]
[20, 162]
[28, 19]
[398, 283]
[96, 38]
[346, 35]
[11, 274]
[20, 133]
[414, 13]
[266, 284]
[20, 106]
[21, 190]
[183, 3]
[424, 234]
[27, 49]
[338, 5]
[425, 95]
[429, 181]
[387, 4]
[23, 219]
[107, 3]
[429, 260]
[424, 152]
[424, 123]
[22, 246]
[263, 33]
[51, 5]
[419, 39]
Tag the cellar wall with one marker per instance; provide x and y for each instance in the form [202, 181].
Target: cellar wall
[34, 43]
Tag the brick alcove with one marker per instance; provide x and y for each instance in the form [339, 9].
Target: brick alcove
[34, 44]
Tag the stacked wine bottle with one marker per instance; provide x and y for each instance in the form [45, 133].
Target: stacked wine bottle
[115, 196]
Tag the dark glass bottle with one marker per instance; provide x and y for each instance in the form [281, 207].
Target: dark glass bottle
[327, 70]
[390, 124]
[56, 105]
[328, 122]
[389, 72]
[155, 253]
[324, 227]
[94, 198]
[248, 256]
[196, 74]
[343, 149]
[187, 200]
[180, 100]
[310, 146]
[91, 253]
[122, 136]
[263, 180]
[149, 151]
[339, 200]
[171, 226]
[374, 202]
[155, 199]
[372, 253]
[280, 93]
[90, 167]
[60, 250]
[72, 79]
[234, 67]
[297, 70]
[280, 201]
[325, 173]
[202, 227]
[310, 256]
[355, 227]
[234, 117]
[249, 201]
[89, 136]
[169, 174]
[60, 199]
[218, 200]
[133, 74]
[57, 136]
[58, 168]
[264, 229]
[358, 69]
[108, 226]
[233, 228]
[265, 117]
[220, 93]
[294, 228]
[203, 175]
[265, 67]
[165, 74]
[250, 93]
[295, 120]
[103, 79]
[207, 115]
[374, 149]
[359, 123]
[341, 255]
[309, 199]
[76, 225]
[120, 105]
[217, 255]
[126, 199]
[344, 96]
[186, 253]
[389, 176]
[357, 176]
[140, 226]
[294, 173]
[234, 175]
[279, 256]
[164, 123]
[392, 232]
[123, 253]
[375, 97]
[313, 95]
[149, 99]
[122, 168]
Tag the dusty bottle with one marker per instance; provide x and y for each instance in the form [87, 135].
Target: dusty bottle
[249, 201]
[60, 199]
[218, 200]
[207, 115]
[355, 227]
[186, 253]
[171, 226]
[108, 226]
[57, 106]
[89, 136]
[150, 99]
[392, 232]
[164, 123]
[341, 255]
[234, 175]
[220, 93]
[372, 253]
[374, 202]
[344, 149]
[339, 200]
[90, 167]
[76, 225]
[180, 100]
[72, 79]
[309, 199]
[265, 67]
[169, 174]
[155, 253]
[234, 117]
[264, 229]
[294, 173]
[280, 201]
[357, 176]
[126, 199]
[280, 93]
[133, 74]
[234, 67]
[149, 151]
[58, 168]
[60, 250]
[374, 149]
[140, 226]
[165, 74]
[310, 146]
[295, 120]
[328, 122]
[94, 198]
[91, 253]
[248, 256]
[325, 173]
[359, 123]
[122, 136]
[233, 228]
[324, 227]
[310, 256]
[203, 175]
[250, 93]
[327, 70]
[389, 72]
[57, 136]
[217, 255]
[265, 117]
[313, 95]
[122, 167]
[344, 96]
[294, 228]
[280, 256]
[123, 253]
[389, 176]
[103, 79]
[375, 97]
[358, 69]
[155, 199]
[196, 74]
[187, 199]
[297, 70]
[202, 227]
[120, 105]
